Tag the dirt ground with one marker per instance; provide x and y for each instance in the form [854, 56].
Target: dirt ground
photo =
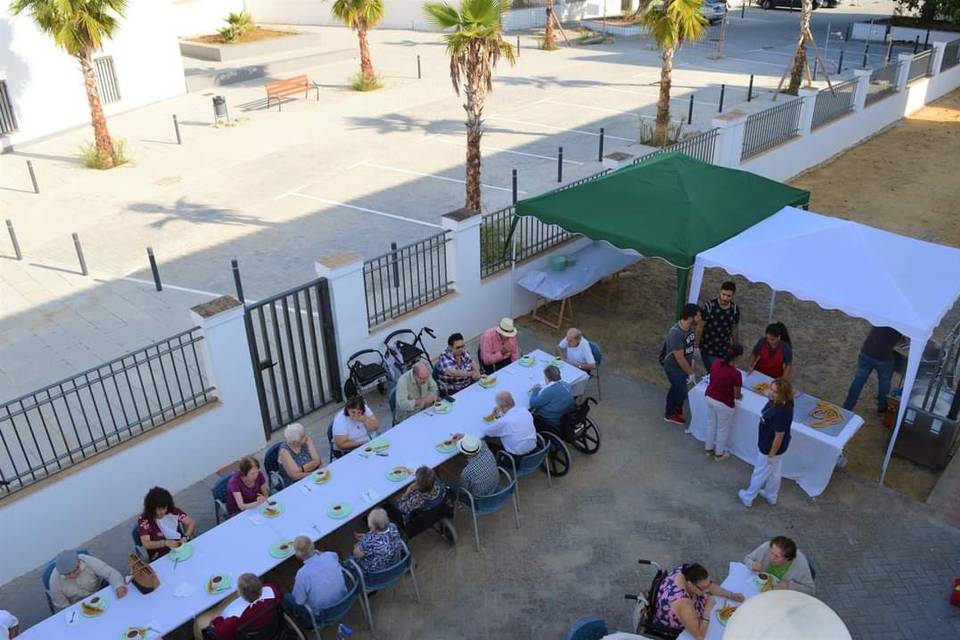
[902, 180]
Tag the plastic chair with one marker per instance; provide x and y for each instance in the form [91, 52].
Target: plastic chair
[483, 505]
[335, 612]
[530, 462]
[587, 629]
[813, 567]
[597, 358]
[392, 401]
[271, 464]
[48, 573]
[377, 580]
[219, 492]
[333, 452]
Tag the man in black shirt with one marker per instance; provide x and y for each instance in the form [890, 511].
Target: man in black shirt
[717, 328]
[876, 353]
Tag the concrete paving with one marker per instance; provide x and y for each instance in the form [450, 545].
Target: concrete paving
[884, 563]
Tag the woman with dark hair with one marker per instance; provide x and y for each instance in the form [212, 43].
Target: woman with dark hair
[773, 438]
[685, 600]
[247, 488]
[722, 393]
[161, 525]
[773, 353]
[353, 426]
[424, 493]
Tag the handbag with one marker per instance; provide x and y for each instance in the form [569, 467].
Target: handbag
[143, 577]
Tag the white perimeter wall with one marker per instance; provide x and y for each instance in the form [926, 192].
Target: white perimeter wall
[201, 17]
[46, 86]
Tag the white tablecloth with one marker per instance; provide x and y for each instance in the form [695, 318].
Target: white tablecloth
[242, 543]
[812, 454]
[593, 262]
[739, 580]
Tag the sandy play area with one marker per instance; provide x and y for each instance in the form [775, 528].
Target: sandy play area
[903, 180]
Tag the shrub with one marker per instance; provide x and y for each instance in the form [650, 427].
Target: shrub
[237, 25]
[359, 83]
[647, 127]
[92, 159]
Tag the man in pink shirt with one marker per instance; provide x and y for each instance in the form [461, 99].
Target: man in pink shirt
[498, 346]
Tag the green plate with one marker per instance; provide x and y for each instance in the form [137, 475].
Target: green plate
[338, 510]
[556, 362]
[221, 586]
[181, 553]
[527, 361]
[135, 633]
[281, 549]
[721, 620]
[442, 407]
[102, 604]
[487, 385]
[447, 446]
[377, 444]
[399, 474]
[271, 511]
[322, 476]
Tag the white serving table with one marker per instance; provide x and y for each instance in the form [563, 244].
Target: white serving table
[739, 580]
[813, 453]
[242, 543]
[786, 615]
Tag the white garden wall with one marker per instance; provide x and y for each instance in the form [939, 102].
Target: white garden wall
[400, 14]
[878, 33]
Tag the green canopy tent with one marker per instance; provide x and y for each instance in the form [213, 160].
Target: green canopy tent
[671, 207]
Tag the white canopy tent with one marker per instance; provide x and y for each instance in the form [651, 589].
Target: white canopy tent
[887, 279]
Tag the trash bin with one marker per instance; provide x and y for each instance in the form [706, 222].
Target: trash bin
[220, 108]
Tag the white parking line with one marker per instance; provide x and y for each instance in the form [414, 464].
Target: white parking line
[429, 175]
[366, 210]
[547, 126]
[459, 143]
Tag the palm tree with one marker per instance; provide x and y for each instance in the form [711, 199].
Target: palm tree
[671, 23]
[79, 27]
[361, 15]
[475, 46]
[548, 38]
[800, 55]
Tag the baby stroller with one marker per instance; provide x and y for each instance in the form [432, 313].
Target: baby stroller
[645, 605]
[366, 368]
[403, 348]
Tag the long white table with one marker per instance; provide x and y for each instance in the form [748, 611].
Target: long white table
[242, 543]
[739, 580]
[813, 453]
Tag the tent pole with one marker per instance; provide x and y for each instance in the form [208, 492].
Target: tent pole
[913, 365]
[696, 283]
[773, 302]
[513, 267]
[683, 276]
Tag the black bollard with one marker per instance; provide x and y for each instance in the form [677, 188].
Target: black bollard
[866, 50]
[176, 128]
[750, 89]
[236, 279]
[743, 8]
[153, 269]
[723, 88]
[396, 265]
[518, 45]
[916, 44]
[419, 77]
[514, 186]
[600, 152]
[80, 258]
[13, 240]
[560, 165]
[840, 63]
[690, 111]
[926, 41]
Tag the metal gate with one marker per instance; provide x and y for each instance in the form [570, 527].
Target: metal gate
[294, 353]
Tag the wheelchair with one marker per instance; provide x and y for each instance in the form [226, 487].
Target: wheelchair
[576, 428]
[367, 368]
[645, 607]
[439, 518]
[403, 348]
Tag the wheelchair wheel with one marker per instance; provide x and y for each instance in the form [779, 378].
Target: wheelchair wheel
[559, 458]
[448, 532]
[587, 439]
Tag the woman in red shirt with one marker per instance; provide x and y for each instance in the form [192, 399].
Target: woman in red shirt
[161, 525]
[773, 354]
[722, 394]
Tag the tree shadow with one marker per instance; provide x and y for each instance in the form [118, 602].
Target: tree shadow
[195, 213]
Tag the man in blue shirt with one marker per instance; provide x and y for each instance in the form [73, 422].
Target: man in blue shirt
[549, 403]
[319, 583]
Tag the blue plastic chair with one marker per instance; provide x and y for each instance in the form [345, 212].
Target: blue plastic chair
[530, 462]
[336, 612]
[271, 464]
[219, 492]
[587, 629]
[48, 573]
[392, 401]
[813, 567]
[377, 580]
[483, 505]
[597, 358]
[330, 442]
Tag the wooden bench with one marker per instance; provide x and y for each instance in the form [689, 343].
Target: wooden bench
[289, 87]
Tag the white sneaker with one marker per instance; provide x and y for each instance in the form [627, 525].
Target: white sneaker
[767, 498]
[743, 498]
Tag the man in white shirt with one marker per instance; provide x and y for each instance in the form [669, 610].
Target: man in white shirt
[513, 426]
[575, 350]
[9, 625]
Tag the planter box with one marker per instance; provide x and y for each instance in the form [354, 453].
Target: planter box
[614, 29]
[878, 33]
[228, 52]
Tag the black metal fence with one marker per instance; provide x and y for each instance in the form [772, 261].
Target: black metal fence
[406, 278]
[771, 127]
[49, 430]
[883, 82]
[700, 146]
[107, 79]
[951, 55]
[830, 105]
[920, 65]
[8, 121]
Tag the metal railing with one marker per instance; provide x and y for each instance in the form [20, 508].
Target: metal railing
[920, 65]
[8, 121]
[951, 55]
[830, 105]
[771, 127]
[700, 146]
[51, 429]
[883, 82]
[406, 278]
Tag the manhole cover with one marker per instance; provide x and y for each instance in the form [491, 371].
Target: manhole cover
[162, 182]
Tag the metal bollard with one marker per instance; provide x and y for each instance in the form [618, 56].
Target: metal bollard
[743, 8]
[866, 50]
[396, 265]
[13, 240]
[560, 165]
[926, 41]
[723, 89]
[236, 279]
[690, 111]
[840, 63]
[176, 128]
[419, 77]
[83, 262]
[33, 177]
[154, 269]
[916, 44]
[514, 186]
[518, 45]
[600, 153]
[750, 89]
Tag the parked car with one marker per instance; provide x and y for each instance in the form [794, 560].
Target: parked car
[786, 4]
[714, 10]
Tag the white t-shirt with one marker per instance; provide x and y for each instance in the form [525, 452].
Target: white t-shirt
[236, 608]
[344, 425]
[7, 622]
[578, 355]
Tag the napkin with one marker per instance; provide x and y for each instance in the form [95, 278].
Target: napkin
[369, 496]
[183, 590]
[71, 616]
[306, 489]
[255, 518]
[152, 633]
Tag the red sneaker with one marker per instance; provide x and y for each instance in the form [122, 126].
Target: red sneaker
[676, 418]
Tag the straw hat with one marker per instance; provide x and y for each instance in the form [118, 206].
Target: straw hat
[506, 328]
[469, 445]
